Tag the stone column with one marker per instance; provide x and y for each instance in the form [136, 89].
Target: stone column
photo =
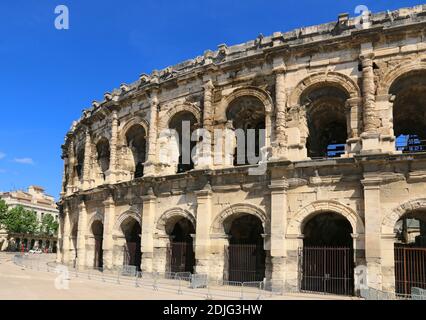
[294, 242]
[373, 222]
[353, 123]
[280, 141]
[71, 168]
[147, 238]
[81, 235]
[149, 168]
[370, 136]
[208, 107]
[66, 236]
[108, 242]
[202, 240]
[388, 262]
[113, 149]
[87, 157]
[278, 190]
[204, 158]
[59, 253]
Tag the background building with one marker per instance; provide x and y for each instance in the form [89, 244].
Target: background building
[34, 199]
[333, 99]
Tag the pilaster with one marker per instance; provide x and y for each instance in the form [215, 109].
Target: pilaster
[108, 243]
[202, 240]
[147, 238]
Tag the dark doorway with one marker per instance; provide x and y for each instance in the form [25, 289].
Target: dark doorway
[245, 253]
[410, 252]
[135, 138]
[326, 261]
[326, 120]
[409, 113]
[181, 250]
[132, 250]
[186, 162]
[248, 115]
[98, 233]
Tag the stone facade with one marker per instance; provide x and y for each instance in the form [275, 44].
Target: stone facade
[348, 80]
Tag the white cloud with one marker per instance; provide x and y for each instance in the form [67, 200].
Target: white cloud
[24, 160]
[2, 155]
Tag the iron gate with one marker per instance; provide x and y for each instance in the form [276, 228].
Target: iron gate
[246, 263]
[410, 269]
[182, 257]
[327, 270]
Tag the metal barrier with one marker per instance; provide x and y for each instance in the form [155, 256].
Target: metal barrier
[197, 285]
[374, 294]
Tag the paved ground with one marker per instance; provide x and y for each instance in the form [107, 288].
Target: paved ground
[17, 283]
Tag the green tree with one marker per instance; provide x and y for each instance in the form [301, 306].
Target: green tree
[19, 220]
[3, 212]
[48, 225]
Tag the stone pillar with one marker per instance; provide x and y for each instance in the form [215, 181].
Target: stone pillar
[66, 236]
[147, 238]
[388, 262]
[150, 164]
[87, 157]
[202, 240]
[108, 242]
[111, 175]
[204, 155]
[353, 122]
[81, 235]
[370, 136]
[294, 242]
[208, 107]
[278, 229]
[280, 142]
[72, 163]
[373, 222]
[59, 253]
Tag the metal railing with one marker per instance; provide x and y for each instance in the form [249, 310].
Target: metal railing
[374, 294]
[179, 283]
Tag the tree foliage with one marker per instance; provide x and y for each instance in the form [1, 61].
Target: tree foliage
[48, 225]
[19, 220]
[3, 211]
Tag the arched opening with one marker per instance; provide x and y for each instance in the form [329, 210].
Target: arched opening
[98, 234]
[327, 258]
[104, 152]
[246, 257]
[181, 249]
[184, 123]
[55, 247]
[409, 112]
[136, 142]
[32, 246]
[410, 252]
[25, 245]
[132, 250]
[74, 233]
[326, 120]
[80, 162]
[248, 117]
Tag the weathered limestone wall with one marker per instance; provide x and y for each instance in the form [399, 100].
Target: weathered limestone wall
[372, 184]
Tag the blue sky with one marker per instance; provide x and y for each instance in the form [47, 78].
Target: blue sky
[48, 76]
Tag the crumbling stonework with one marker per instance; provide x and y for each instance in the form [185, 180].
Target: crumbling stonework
[295, 76]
